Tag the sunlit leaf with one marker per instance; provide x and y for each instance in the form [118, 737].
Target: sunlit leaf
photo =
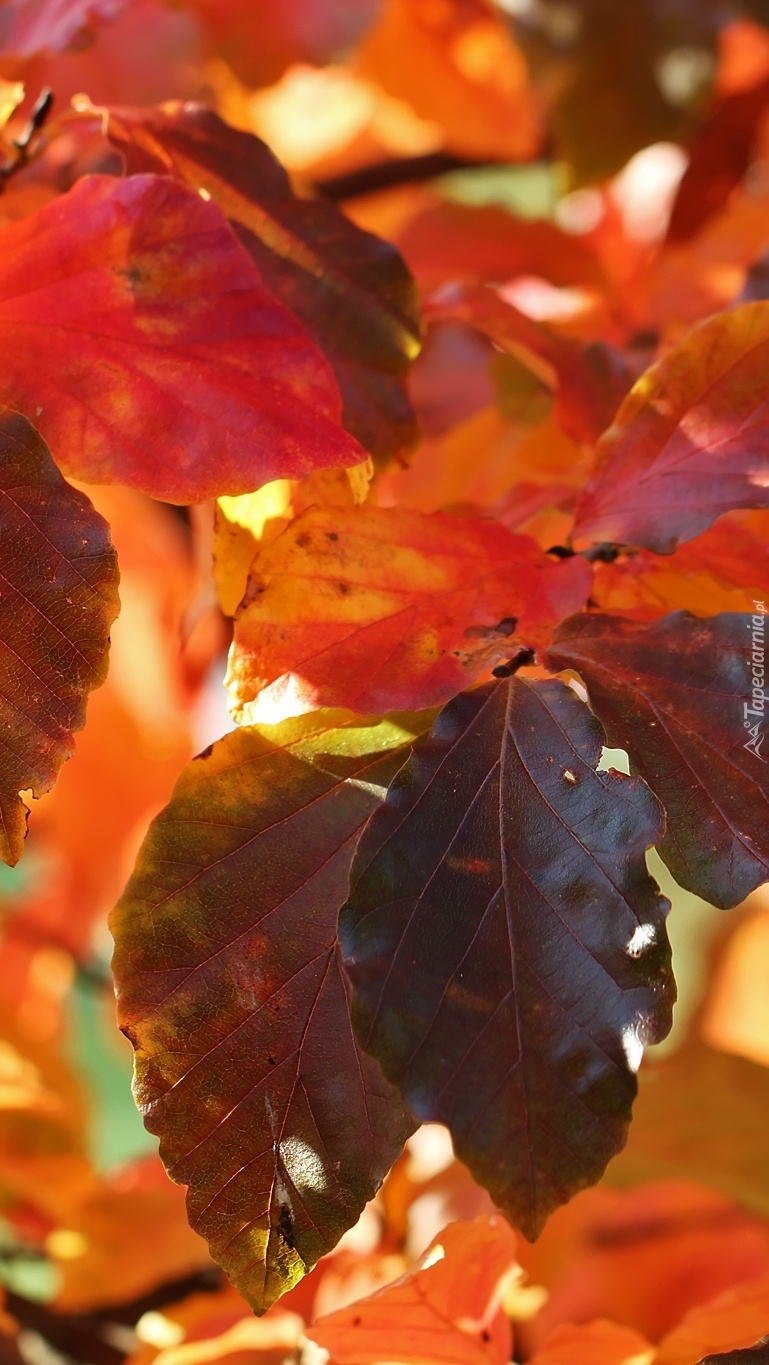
[58, 599]
[690, 441]
[678, 694]
[245, 523]
[724, 569]
[230, 991]
[379, 608]
[445, 1308]
[506, 945]
[350, 289]
[458, 67]
[149, 352]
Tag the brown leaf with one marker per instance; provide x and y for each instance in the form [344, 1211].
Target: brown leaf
[58, 599]
[246, 1066]
[506, 945]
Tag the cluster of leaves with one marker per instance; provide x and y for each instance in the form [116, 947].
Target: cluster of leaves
[404, 888]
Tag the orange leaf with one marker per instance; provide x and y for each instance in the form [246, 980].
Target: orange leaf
[446, 1308]
[149, 352]
[595, 1343]
[724, 569]
[377, 608]
[737, 1318]
[458, 65]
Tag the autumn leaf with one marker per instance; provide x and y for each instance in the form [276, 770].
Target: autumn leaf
[29, 27]
[689, 442]
[246, 1066]
[350, 289]
[677, 694]
[379, 608]
[594, 1343]
[590, 379]
[243, 524]
[718, 160]
[445, 1308]
[260, 44]
[505, 944]
[735, 1319]
[751, 1355]
[700, 1116]
[58, 599]
[473, 244]
[724, 569]
[123, 1235]
[150, 354]
[458, 67]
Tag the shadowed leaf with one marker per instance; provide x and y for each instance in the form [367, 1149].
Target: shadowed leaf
[375, 608]
[591, 379]
[58, 599]
[149, 352]
[446, 1308]
[700, 1116]
[677, 694]
[230, 991]
[751, 1355]
[690, 442]
[506, 945]
[350, 289]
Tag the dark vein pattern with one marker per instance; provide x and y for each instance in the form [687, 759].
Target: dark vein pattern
[506, 945]
[230, 990]
[678, 695]
[58, 599]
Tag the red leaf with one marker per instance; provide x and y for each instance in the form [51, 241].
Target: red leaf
[678, 695]
[246, 1065]
[506, 945]
[29, 27]
[719, 159]
[591, 380]
[58, 599]
[350, 289]
[445, 1308]
[690, 441]
[380, 608]
[149, 353]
